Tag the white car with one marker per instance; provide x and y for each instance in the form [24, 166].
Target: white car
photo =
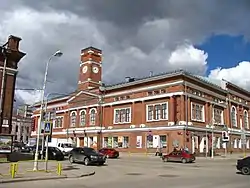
[65, 147]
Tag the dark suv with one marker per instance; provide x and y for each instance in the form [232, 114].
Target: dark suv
[243, 165]
[87, 156]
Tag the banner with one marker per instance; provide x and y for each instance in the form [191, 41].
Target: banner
[139, 142]
[6, 143]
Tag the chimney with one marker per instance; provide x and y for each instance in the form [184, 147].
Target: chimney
[13, 43]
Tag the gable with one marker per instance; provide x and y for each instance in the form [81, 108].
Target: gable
[83, 98]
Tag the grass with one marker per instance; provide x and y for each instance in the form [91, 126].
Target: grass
[3, 160]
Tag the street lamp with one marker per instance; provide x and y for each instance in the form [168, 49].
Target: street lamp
[56, 54]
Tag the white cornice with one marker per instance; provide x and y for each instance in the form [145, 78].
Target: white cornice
[147, 88]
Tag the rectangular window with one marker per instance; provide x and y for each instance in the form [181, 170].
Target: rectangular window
[115, 142]
[163, 141]
[122, 115]
[157, 112]
[149, 142]
[150, 112]
[58, 122]
[218, 116]
[197, 112]
[125, 142]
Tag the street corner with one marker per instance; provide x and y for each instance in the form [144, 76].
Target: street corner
[77, 171]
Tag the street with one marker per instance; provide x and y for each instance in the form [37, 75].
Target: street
[137, 172]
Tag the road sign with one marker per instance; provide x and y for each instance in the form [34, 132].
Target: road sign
[225, 136]
[47, 127]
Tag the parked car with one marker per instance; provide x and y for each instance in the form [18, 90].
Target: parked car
[179, 156]
[65, 147]
[109, 152]
[87, 156]
[243, 165]
[53, 153]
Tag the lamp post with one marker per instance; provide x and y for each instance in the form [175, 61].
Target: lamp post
[57, 54]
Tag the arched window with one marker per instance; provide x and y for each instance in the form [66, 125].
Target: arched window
[245, 116]
[234, 116]
[82, 118]
[92, 116]
[73, 119]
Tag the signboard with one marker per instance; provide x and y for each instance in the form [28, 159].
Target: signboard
[225, 136]
[47, 127]
[6, 142]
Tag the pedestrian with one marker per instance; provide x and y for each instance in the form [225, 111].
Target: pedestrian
[157, 151]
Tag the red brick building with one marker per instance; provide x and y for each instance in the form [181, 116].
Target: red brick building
[166, 110]
[11, 53]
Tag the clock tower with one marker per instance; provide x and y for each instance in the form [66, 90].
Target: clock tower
[90, 75]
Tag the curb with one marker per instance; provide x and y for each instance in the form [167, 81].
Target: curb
[15, 180]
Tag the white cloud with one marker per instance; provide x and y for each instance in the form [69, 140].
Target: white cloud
[29, 97]
[238, 75]
[188, 56]
[133, 42]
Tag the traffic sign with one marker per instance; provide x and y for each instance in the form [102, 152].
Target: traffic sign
[47, 127]
[225, 136]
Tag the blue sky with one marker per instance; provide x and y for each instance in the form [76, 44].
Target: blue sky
[226, 51]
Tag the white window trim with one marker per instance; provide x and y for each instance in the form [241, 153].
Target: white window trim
[54, 122]
[236, 119]
[80, 114]
[221, 115]
[130, 114]
[92, 109]
[203, 112]
[153, 120]
[247, 126]
[71, 113]
[83, 111]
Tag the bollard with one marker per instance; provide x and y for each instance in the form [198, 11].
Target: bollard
[13, 169]
[59, 169]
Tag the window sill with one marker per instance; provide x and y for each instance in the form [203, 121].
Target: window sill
[200, 121]
[156, 120]
[121, 123]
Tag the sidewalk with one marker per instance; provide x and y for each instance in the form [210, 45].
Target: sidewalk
[152, 155]
[25, 171]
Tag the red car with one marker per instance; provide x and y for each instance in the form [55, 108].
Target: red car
[179, 156]
[109, 152]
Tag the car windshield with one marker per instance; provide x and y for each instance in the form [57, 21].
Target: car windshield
[67, 145]
[89, 150]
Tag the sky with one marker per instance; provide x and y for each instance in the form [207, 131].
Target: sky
[208, 38]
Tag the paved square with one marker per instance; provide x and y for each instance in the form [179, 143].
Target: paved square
[149, 172]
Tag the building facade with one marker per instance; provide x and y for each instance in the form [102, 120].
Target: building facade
[169, 110]
[22, 124]
[9, 58]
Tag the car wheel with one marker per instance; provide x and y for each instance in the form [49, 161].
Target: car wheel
[71, 160]
[101, 163]
[165, 159]
[245, 170]
[86, 161]
[184, 160]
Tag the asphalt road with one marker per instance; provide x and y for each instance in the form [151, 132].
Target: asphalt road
[148, 172]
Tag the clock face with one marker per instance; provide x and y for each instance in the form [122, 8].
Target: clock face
[84, 69]
[95, 69]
